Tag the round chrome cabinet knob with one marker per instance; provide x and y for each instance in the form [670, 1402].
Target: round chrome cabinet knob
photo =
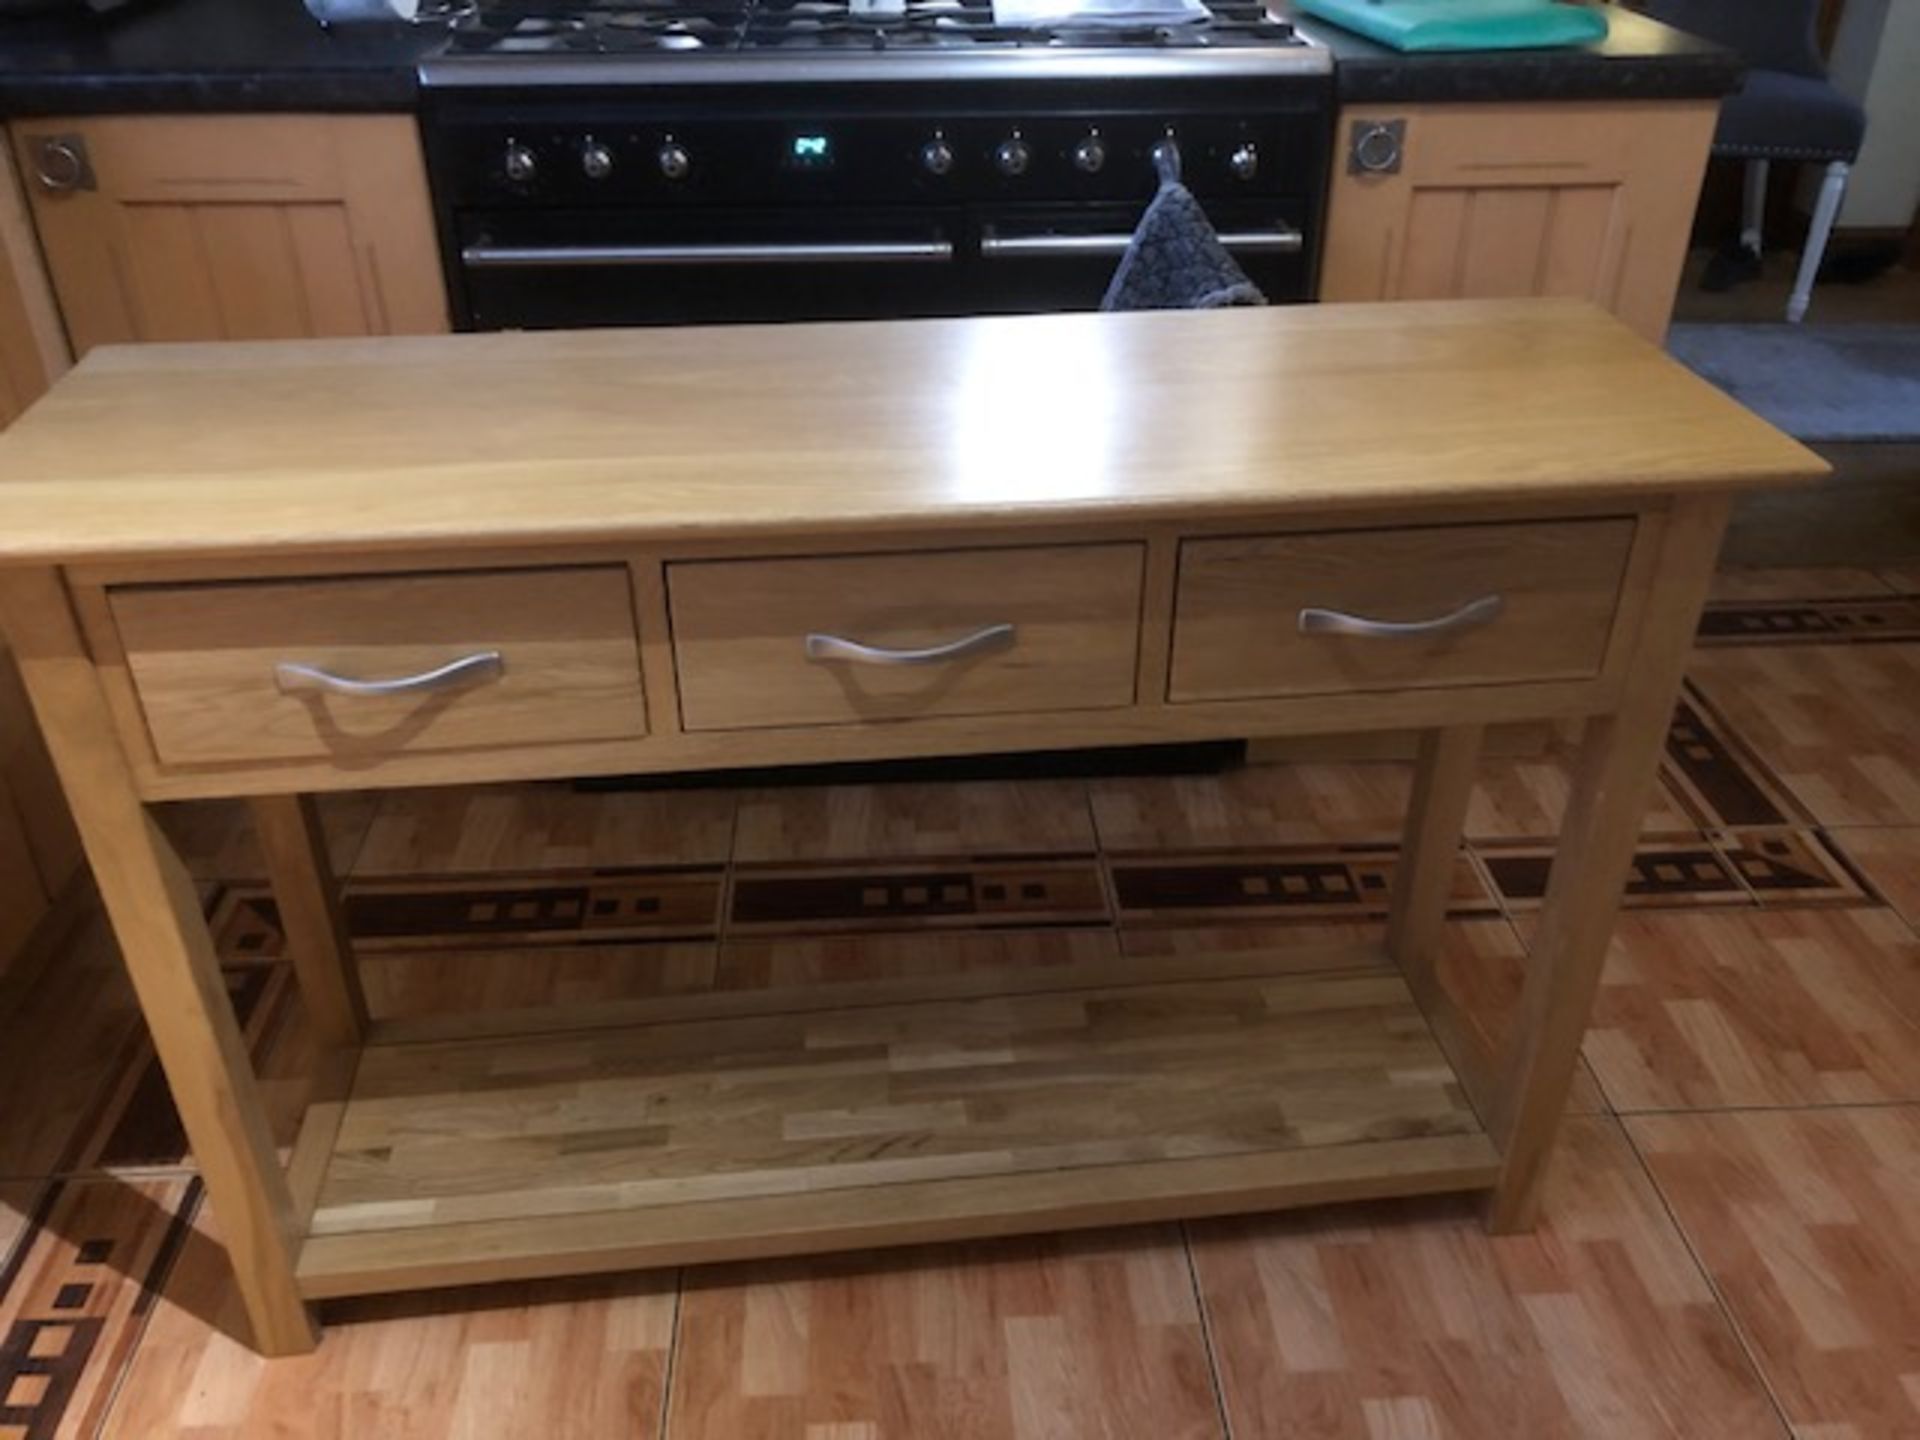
[936, 156]
[1013, 156]
[1244, 162]
[1376, 147]
[674, 161]
[1090, 155]
[520, 163]
[596, 160]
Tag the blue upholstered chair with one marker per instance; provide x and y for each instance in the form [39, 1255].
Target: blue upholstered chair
[1787, 110]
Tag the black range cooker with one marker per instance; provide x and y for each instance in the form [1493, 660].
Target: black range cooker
[683, 161]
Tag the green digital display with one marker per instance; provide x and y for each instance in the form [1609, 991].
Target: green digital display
[812, 150]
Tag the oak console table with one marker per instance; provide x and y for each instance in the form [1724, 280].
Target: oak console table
[268, 570]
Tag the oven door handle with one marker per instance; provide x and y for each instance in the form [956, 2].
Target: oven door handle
[1281, 240]
[835, 252]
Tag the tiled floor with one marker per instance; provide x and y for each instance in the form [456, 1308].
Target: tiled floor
[1731, 1245]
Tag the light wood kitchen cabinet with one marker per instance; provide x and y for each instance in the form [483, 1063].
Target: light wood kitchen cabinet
[233, 227]
[1593, 200]
[33, 345]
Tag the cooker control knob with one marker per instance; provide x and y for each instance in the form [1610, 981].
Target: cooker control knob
[1244, 162]
[596, 160]
[520, 163]
[1090, 155]
[936, 156]
[1013, 156]
[674, 160]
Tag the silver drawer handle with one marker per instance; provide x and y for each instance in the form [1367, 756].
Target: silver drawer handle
[1469, 616]
[1283, 240]
[467, 670]
[837, 647]
[547, 257]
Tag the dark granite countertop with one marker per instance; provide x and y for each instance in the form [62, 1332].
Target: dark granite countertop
[191, 55]
[240, 55]
[1640, 59]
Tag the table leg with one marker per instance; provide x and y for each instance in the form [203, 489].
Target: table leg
[1613, 776]
[1442, 786]
[169, 954]
[308, 899]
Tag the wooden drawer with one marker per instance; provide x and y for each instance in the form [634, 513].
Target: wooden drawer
[741, 633]
[1239, 631]
[206, 662]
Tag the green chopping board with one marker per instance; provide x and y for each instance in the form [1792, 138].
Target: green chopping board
[1464, 24]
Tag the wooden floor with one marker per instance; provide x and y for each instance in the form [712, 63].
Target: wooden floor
[1730, 1246]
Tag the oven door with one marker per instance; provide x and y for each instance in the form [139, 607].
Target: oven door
[634, 268]
[562, 269]
[1063, 257]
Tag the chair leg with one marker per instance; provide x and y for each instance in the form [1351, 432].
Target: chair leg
[1753, 205]
[1825, 208]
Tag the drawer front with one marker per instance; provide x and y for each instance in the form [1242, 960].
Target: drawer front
[902, 636]
[209, 663]
[1460, 605]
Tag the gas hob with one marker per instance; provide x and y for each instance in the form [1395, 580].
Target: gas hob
[547, 43]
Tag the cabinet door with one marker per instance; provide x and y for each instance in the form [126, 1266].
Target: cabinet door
[1588, 200]
[233, 227]
[33, 346]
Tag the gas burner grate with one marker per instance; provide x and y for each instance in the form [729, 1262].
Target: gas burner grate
[776, 24]
[528, 27]
[634, 26]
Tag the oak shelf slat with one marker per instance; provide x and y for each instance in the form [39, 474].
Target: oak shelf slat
[548, 1154]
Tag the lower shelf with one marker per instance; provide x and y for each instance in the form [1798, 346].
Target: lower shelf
[465, 1161]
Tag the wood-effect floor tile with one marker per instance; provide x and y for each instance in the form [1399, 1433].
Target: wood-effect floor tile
[1788, 582]
[1901, 579]
[1838, 724]
[1482, 966]
[1087, 1337]
[547, 827]
[1407, 1320]
[1710, 1010]
[814, 824]
[216, 838]
[827, 961]
[1809, 1224]
[402, 984]
[572, 1360]
[63, 1044]
[1889, 858]
[1526, 797]
[1254, 806]
[135, 1126]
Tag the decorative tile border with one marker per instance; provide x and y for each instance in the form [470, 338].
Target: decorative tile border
[1793, 867]
[890, 896]
[1811, 622]
[75, 1297]
[1332, 883]
[1718, 780]
[499, 910]
[1685, 870]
